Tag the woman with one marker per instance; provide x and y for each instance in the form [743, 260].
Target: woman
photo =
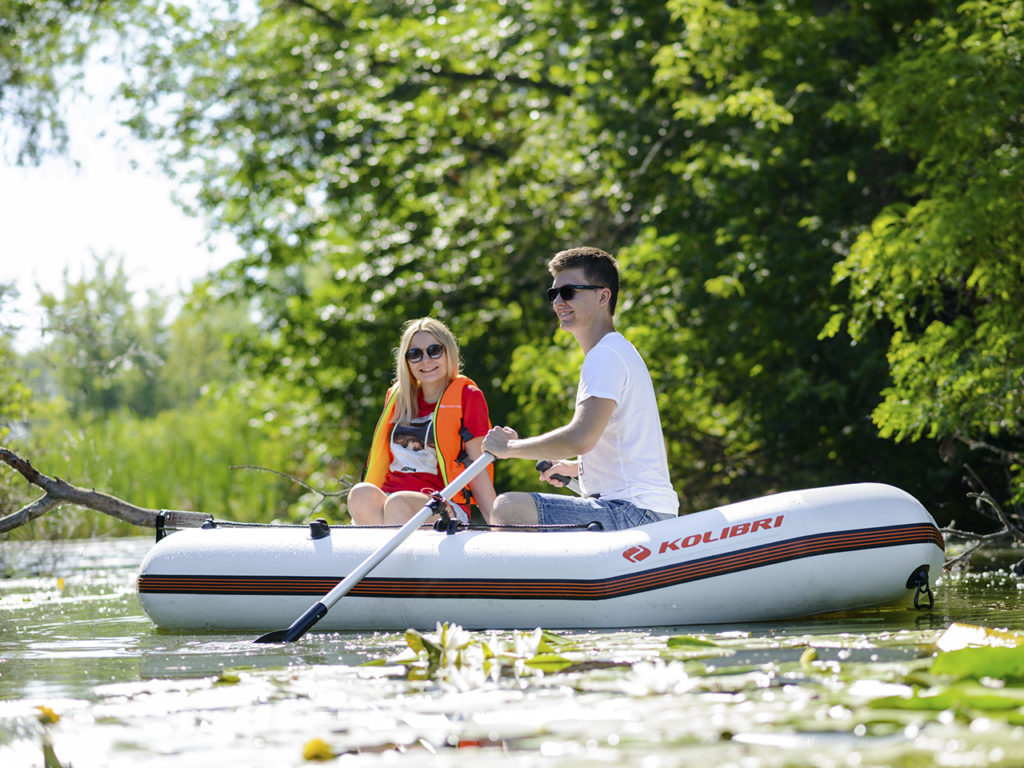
[433, 423]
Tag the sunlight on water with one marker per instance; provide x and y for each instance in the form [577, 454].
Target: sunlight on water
[88, 680]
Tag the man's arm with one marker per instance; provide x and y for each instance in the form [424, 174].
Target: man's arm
[578, 436]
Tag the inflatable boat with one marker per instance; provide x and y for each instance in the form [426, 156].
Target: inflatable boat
[788, 555]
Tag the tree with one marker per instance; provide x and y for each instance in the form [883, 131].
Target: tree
[944, 265]
[379, 161]
[767, 173]
[14, 395]
[43, 44]
[105, 352]
[382, 161]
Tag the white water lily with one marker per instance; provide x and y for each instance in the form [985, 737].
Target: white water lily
[463, 678]
[452, 639]
[466, 660]
[463, 663]
[527, 644]
[647, 678]
[493, 649]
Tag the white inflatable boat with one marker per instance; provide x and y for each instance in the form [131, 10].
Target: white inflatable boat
[788, 555]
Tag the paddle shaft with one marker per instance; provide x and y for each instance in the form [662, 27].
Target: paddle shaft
[319, 609]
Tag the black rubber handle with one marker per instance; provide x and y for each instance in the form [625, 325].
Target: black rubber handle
[543, 465]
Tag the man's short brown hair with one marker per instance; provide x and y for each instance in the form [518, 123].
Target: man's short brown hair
[599, 268]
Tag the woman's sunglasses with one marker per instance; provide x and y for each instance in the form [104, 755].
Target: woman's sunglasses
[568, 292]
[434, 351]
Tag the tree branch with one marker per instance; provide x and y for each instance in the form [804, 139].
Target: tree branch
[60, 492]
[1010, 532]
[322, 494]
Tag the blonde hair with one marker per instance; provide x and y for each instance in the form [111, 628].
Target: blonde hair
[406, 400]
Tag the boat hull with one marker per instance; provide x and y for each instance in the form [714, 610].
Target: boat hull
[788, 555]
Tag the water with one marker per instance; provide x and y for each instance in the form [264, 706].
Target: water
[74, 643]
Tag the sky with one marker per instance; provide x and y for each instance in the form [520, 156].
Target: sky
[106, 196]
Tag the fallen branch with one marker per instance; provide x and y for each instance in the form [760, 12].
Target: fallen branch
[59, 492]
[1011, 532]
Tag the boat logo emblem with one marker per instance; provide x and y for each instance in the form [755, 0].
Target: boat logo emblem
[637, 553]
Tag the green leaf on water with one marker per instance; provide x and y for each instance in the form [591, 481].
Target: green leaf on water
[959, 696]
[414, 640]
[420, 643]
[1000, 663]
[688, 641]
[550, 641]
[548, 662]
[807, 658]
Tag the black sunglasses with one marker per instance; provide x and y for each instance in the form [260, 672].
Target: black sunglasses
[568, 292]
[415, 354]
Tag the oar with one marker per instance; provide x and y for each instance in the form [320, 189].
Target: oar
[317, 611]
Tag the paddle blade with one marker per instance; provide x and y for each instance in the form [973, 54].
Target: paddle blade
[298, 628]
[277, 636]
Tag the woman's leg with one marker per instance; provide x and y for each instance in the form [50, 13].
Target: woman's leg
[402, 506]
[366, 504]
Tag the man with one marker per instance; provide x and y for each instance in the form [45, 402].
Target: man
[615, 430]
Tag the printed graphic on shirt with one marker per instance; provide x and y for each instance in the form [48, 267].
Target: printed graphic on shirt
[412, 447]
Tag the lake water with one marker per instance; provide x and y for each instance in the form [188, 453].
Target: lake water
[87, 680]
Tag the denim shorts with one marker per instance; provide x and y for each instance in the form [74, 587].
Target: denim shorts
[612, 514]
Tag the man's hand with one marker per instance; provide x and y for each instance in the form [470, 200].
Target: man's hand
[568, 469]
[496, 441]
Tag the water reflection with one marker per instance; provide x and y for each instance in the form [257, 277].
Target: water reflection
[129, 694]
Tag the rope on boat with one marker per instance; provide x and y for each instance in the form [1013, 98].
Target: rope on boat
[321, 527]
[214, 523]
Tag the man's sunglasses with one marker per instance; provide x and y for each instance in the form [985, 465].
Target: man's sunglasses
[568, 292]
[434, 351]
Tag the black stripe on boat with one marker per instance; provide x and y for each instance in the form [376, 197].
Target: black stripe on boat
[556, 589]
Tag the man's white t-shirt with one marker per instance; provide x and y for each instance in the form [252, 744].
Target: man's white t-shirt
[629, 460]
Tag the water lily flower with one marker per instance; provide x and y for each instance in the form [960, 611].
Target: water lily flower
[648, 679]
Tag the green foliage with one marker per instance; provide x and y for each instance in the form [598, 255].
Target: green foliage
[366, 154]
[105, 352]
[945, 267]
[43, 44]
[815, 207]
[380, 162]
[178, 459]
[14, 395]
[772, 175]
[160, 414]
[977, 663]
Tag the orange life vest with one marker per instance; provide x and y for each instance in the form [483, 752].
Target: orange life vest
[449, 438]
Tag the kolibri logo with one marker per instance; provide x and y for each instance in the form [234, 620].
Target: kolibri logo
[639, 552]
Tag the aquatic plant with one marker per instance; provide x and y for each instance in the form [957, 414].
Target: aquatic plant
[464, 660]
